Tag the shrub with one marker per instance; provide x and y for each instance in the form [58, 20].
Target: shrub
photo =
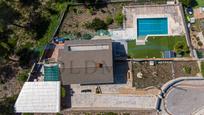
[202, 68]
[86, 36]
[63, 92]
[22, 76]
[96, 24]
[7, 107]
[91, 11]
[187, 69]
[79, 11]
[75, 10]
[119, 18]
[59, 114]
[28, 114]
[200, 43]
[181, 48]
[186, 3]
[109, 20]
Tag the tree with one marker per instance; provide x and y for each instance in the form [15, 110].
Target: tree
[119, 18]
[86, 36]
[187, 69]
[96, 24]
[27, 56]
[7, 106]
[22, 77]
[181, 48]
[109, 20]
[187, 3]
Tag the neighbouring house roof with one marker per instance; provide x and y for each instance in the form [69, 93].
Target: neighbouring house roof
[39, 97]
[86, 62]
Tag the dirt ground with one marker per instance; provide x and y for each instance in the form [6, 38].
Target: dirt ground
[155, 75]
[9, 85]
[121, 112]
[196, 28]
[161, 73]
[77, 16]
[179, 68]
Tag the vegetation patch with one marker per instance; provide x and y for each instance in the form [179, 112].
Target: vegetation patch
[63, 92]
[7, 106]
[202, 68]
[145, 75]
[23, 76]
[87, 19]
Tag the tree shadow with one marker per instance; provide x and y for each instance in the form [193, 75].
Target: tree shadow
[194, 3]
[7, 107]
[27, 57]
[29, 2]
[52, 11]
[66, 101]
[100, 4]
[38, 25]
[6, 73]
[8, 16]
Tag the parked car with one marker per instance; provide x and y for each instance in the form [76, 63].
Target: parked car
[59, 40]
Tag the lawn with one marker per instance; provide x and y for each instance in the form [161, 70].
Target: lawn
[154, 47]
[200, 3]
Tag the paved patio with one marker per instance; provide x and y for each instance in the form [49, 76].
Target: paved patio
[172, 12]
[125, 101]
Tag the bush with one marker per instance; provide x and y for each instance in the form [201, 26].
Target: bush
[7, 107]
[22, 76]
[119, 18]
[109, 20]
[91, 11]
[63, 92]
[186, 3]
[28, 114]
[187, 69]
[27, 56]
[200, 43]
[202, 68]
[181, 48]
[86, 37]
[96, 24]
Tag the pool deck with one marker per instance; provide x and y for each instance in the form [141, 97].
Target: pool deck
[132, 13]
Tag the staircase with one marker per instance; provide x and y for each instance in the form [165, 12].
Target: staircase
[140, 42]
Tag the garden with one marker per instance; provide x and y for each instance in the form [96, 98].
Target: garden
[82, 22]
[146, 75]
[155, 46]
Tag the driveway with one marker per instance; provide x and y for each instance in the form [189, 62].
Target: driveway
[185, 98]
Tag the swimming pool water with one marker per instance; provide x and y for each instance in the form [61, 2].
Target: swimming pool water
[151, 26]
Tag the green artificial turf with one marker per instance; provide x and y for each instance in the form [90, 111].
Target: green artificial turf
[154, 47]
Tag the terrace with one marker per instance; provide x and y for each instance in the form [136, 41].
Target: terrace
[141, 20]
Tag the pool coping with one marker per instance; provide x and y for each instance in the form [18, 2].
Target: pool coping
[168, 26]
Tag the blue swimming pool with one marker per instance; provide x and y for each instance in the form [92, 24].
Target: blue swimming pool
[151, 26]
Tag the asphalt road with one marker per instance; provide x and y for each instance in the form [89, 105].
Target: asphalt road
[185, 98]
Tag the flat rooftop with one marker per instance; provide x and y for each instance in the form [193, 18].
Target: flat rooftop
[39, 97]
[86, 62]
